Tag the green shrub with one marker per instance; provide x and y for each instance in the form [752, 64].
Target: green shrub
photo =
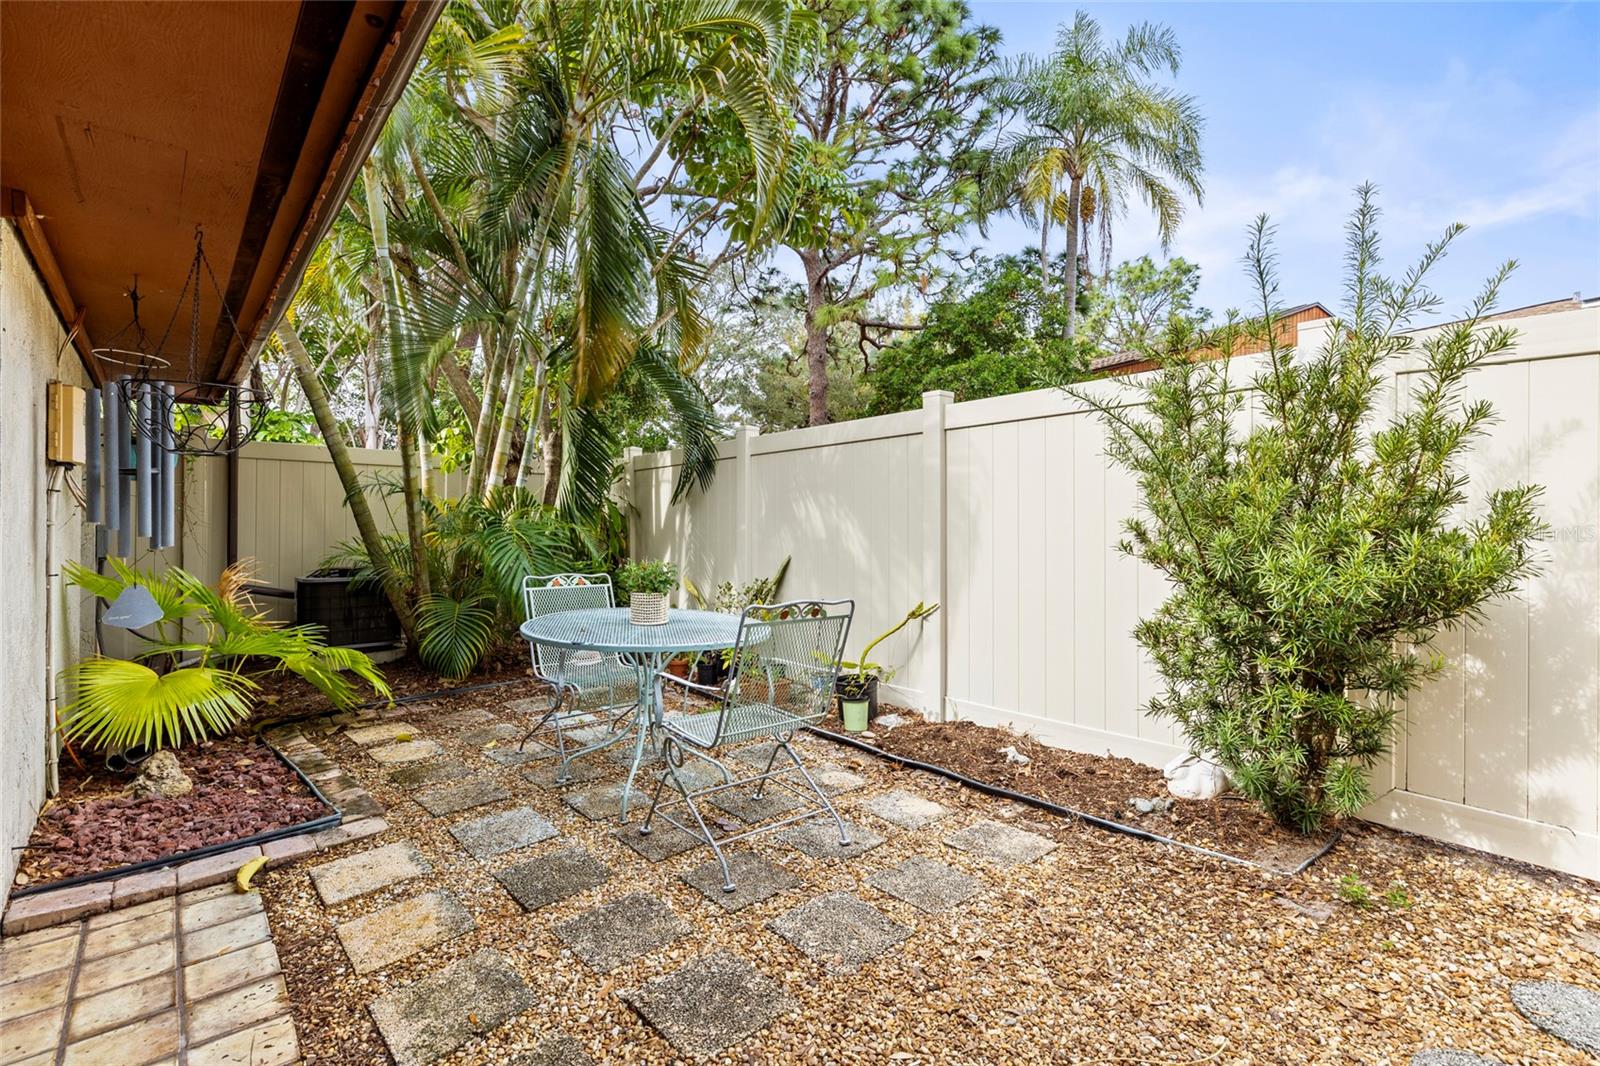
[1314, 557]
[476, 551]
[654, 575]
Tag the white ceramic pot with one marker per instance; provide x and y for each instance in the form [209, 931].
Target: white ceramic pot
[647, 609]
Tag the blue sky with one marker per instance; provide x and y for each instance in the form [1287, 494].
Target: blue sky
[1487, 114]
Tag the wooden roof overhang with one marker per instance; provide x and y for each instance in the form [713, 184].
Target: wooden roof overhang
[124, 126]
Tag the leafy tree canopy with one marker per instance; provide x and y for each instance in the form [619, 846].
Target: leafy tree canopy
[999, 332]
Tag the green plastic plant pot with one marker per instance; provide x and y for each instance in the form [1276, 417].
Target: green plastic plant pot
[855, 715]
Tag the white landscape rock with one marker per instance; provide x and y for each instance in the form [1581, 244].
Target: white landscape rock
[1013, 755]
[1196, 777]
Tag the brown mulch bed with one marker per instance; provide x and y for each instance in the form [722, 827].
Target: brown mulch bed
[1100, 785]
[240, 788]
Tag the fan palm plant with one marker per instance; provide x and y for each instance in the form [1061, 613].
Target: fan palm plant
[199, 685]
[477, 551]
[1095, 128]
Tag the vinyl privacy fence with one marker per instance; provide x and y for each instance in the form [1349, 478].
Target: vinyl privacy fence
[1006, 512]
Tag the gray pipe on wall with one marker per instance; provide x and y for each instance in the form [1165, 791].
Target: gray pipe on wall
[169, 477]
[143, 423]
[125, 459]
[111, 473]
[91, 455]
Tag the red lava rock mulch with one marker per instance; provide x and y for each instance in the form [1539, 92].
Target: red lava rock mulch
[240, 788]
[1100, 785]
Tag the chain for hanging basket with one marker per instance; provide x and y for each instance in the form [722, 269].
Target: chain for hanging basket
[204, 427]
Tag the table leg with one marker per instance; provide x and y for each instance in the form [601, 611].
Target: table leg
[649, 689]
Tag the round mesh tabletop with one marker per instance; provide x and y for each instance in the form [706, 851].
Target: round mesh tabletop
[608, 629]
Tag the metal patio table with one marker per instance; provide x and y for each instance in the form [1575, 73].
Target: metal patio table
[647, 648]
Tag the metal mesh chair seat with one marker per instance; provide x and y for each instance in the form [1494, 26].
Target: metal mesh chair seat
[742, 723]
[589, 672]
[785, 664]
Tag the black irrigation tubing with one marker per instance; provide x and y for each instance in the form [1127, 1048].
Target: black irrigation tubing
[1070, 812]
[326, 821]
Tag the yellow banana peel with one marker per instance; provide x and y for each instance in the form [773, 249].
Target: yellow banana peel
[241, 880]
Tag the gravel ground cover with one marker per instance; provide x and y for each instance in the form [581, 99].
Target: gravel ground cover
[1100, 949]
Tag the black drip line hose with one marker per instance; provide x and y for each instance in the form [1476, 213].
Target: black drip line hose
[1070, 812]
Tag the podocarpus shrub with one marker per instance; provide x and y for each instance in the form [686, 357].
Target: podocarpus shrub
[1313, 557]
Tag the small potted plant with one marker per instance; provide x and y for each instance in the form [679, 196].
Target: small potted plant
[857, 685]
[648, 584]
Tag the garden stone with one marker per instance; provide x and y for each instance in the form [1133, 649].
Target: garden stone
[441, 800]
[1451, 1057]
[488, 734]
[496, 834]
[383, 732]
[926, 884]
[405, 751]
[904, 809]
[600, 802]
[774, 803]
[421, 775]
[755, 880]
[161, 777]
[839, 930]
[710, 1004]
[368, 871]
[430, 1018]
[577, 773]
[1003, 845]
[819, 838]
[838, 782]
[661, 843]
[402, 929]
[467, 718]
[513, 756]
[621, 931]
[1565, 1011]
[552, 877]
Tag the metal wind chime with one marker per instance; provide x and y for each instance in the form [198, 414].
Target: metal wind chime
[134, 431]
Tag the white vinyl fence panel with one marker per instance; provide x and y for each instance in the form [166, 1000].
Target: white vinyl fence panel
[1007, 512]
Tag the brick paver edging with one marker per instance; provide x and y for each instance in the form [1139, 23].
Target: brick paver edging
[358, 814]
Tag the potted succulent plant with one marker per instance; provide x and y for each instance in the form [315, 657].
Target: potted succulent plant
[648, 584]
[857, 684]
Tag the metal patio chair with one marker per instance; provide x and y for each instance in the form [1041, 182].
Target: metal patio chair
[593, 688]
[781, 679]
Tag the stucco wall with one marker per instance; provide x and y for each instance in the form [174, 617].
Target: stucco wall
[33, 352]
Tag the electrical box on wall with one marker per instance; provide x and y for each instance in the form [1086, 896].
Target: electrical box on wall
[64, 424]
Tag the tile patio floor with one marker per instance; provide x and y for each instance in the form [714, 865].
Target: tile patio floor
[190, 978]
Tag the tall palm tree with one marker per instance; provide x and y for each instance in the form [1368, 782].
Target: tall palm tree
[531, 233]
[1093, 126]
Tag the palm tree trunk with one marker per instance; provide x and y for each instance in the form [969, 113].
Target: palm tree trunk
[508, 422]
[1044, 250]
[482, 439]
[816, 340]
[1074, 205]
[552, 465]
[405, 416]
[345, 467]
